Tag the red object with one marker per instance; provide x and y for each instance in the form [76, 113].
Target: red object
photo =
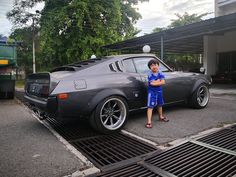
[63, 96]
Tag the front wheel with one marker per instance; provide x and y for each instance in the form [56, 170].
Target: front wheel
[110, 115]
[200, 97]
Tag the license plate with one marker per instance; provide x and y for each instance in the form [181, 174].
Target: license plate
[34, 88]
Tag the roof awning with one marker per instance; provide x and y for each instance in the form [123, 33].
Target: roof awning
[183, 39]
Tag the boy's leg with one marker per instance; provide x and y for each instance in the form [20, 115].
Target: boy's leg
[160, 113]
[160, 102]
[159, 110]
[149, 115]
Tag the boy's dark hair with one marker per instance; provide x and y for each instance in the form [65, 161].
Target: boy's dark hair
[153, 62]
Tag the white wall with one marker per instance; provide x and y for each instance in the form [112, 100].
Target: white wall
[227, 42]
[209, 55]
[224, 7]
[214, 45]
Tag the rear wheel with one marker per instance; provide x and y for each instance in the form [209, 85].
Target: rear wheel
[110, 115]
[200, 97]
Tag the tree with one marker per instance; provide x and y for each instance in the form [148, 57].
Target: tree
[186, 19]
[24, 49]
[72, 30]
[158, 29]
[20, 14]
[176, 60]
[77, 29]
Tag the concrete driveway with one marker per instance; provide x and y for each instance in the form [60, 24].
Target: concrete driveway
[28, 148]
[185, 121]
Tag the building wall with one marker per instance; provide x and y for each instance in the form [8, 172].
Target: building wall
[214, 45]
[227, 42]
[224, 7]
[209, 56]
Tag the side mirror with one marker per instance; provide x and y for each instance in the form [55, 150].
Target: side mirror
[202, 70]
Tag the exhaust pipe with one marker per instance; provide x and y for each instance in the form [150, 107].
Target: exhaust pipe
[41, 115]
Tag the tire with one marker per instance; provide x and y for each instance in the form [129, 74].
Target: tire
[110, 115]
[200, 97]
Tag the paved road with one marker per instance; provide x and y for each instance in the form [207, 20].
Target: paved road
[28, 148]
[185, 121]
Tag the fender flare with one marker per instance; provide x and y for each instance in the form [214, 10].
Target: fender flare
[197, 83]
[104, 94]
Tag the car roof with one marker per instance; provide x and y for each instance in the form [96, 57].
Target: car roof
[131, 55]
[90, 62]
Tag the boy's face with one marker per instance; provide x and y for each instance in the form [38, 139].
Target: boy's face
[154, 67]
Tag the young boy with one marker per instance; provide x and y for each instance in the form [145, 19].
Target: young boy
[155, 97]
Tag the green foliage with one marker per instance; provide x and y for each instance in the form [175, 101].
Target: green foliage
[72, 30]
[20, 83]
[24, 49]
[182, 20]
[10, 41]
[158, 29]
[76, 30]
[186, 19]
[183, 62]
[20, 14]
[180, 60]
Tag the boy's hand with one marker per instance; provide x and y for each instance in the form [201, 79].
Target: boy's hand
[157, 82]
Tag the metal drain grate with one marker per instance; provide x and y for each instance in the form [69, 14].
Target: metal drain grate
[225, 138]
[130, 171]
[109, 149]
[124, 155]
[72, 130]
[194, 160]
[233, 127]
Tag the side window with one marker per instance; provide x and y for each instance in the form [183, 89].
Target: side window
[141, 65]
[129, 66]
[162, 68]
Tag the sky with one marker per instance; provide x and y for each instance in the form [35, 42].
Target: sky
[5, 25]
[158, 13]
[155, 13]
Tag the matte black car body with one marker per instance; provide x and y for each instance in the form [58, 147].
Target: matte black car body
[93, 86]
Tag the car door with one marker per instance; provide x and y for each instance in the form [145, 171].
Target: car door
[137, 89]
[172, 90]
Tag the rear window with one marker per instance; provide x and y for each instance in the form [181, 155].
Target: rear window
[129, 66]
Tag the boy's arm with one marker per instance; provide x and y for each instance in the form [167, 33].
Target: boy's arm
[158, 82]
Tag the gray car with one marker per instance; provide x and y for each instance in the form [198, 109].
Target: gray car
[105, 90]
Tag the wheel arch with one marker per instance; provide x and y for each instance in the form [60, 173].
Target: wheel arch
[197, 84]
[105, 94]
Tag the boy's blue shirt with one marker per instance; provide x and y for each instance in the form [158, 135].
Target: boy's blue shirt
[152, 77]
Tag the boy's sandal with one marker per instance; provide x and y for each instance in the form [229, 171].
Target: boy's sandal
[164, 119]
[148, 125]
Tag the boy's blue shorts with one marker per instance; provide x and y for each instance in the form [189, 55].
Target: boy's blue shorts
[155, 99]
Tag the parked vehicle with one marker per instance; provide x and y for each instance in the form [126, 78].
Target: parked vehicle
[106, 89]
[7, 69]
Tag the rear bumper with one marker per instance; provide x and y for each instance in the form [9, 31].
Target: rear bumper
[49, 105]
[62, 109]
